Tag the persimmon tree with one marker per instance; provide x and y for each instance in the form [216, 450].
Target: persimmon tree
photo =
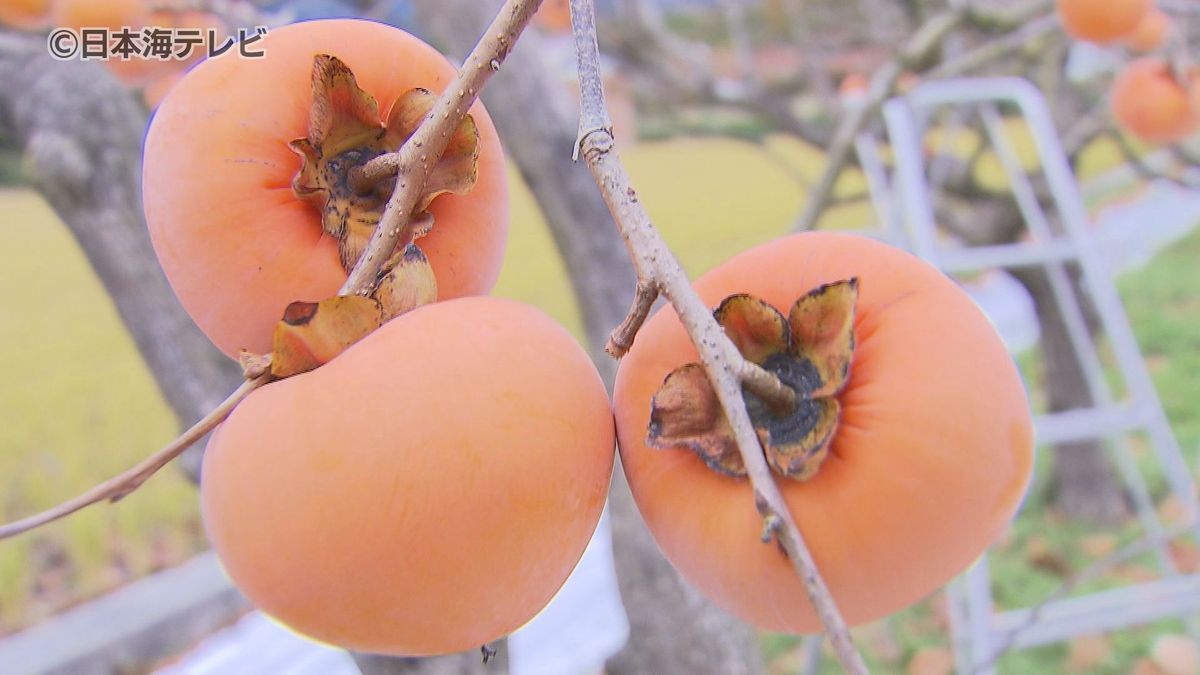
[759, 406]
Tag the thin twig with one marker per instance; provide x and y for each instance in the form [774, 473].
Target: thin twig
[622, 337]
[1142, 164]
[656, 265]
[882, 82]
[118, 486]
[992, 50]
[1089, 573]
[929, 36]
[420, 153]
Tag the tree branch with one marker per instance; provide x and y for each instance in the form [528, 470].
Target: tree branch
[992, 50]
[656, 265]
[419, 154]
[117, 487]
[883, 81]
[928, 37]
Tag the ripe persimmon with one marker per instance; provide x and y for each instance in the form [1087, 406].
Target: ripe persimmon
[25, 14]
[926, 463]
[1151, 104]
[1151, 31]
[1101, 20]
[110, 14]
[237, 241]
[157, 89]
[427, 491]
[554, 16]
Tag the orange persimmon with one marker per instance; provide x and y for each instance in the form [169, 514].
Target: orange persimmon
[157, 89]
[930, 457]
[236, 241]
[427, 491]
[25, 14]
[554, 16]
[1151, 31]
[1151, 104]
[110, 14]
[1101, 20]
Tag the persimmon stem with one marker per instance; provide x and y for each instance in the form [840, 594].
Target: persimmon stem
[768, 387]
[657, 267]
[122, 484]
[621, 338]
[415, 160]
[364, 178]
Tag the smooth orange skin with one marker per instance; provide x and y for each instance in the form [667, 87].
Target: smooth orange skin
[554, 16]
[931, 458]
[154, 92]
[1101, 20]
[235, 242]
[427, 491]
[111, 14]
[1148, 102]
[25, 14]
[1151, 31]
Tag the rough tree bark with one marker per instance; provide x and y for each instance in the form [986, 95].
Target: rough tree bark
[674, 629]
[1085, 487]
[81, 132]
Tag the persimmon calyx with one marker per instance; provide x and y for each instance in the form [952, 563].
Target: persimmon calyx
[345, 131]
[810, 351]
[313, 333]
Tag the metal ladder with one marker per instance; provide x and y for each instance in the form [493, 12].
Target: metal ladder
[905, 209]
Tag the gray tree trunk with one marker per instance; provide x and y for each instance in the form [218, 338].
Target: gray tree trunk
[674, 629]
[81, 132]
[1085, 486]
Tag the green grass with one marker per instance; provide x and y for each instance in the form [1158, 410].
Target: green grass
[79, 404]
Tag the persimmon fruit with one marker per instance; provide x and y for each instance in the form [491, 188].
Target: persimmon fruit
[237, 242]
[554, 16]
[929, 459]
[1151, 32]
[110, 14]
[427, 491]
[1150, 103]
[25, 14]
[1101, 21]
[157, 89]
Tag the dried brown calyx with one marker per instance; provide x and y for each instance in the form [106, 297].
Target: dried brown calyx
[810, 351]
[341, 175]
[345, 132]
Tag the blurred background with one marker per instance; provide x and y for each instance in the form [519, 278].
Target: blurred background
[740, 121]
